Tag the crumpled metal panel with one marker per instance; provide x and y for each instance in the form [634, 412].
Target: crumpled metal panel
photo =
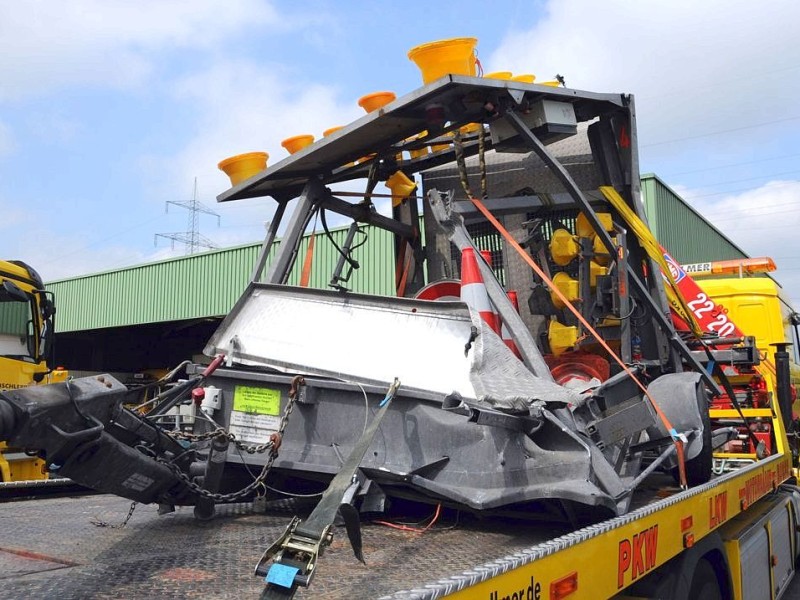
[502, 380]
[368, 339]
[372, 340]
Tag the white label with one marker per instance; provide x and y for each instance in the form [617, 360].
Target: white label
[698, 268]
[255, 429]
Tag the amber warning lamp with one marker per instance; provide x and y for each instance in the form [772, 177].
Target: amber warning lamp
[740, 267]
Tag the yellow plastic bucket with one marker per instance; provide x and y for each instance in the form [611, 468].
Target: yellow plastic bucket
[499, 75]
[298, 142]
[243, 166]
[561, 337]
[526, 78]
[470, 128]
[567, 286]
[421, 151]
[452, 56]
[331, 130]
[401, 186]
[550, 83]
[376, 100]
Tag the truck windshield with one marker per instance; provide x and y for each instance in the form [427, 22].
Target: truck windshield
[14, 319]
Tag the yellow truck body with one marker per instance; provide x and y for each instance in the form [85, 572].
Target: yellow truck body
[26, 330]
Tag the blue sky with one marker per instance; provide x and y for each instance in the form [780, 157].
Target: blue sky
[110, 108]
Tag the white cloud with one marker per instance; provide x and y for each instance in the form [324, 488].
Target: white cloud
[45, 45]
[763, 222]
[243, 107]
[694, 67]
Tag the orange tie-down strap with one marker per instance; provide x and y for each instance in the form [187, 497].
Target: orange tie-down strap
[305, 276]
[676, 439]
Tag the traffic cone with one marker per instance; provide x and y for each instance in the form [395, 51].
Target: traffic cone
[487, 256]
[504, 332]
[473, 290]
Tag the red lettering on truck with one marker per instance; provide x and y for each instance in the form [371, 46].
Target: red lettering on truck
[717, 509]
[637, 556]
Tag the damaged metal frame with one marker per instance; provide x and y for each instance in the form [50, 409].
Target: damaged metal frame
[585, 429]
[478, 429]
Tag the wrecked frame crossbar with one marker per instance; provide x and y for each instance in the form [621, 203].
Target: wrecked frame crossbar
[571, 187]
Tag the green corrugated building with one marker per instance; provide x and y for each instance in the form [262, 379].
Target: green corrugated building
[155, 315]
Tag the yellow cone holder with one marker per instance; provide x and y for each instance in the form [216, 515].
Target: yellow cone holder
[452, 56]
[561, 337]
[564, 247]
[401, 186]
[243, 166]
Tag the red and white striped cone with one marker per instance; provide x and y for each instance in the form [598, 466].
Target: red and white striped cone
[473, 290]
[504, 332]
[487, 256]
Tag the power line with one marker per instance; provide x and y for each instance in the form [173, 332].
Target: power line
[702, 135]
[718, 83]
[747, 189]
[749, 209]
[192, 239]
[748, 179]
[740, 164]
[760, 214]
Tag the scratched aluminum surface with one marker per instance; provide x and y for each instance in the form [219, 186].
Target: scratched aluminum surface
[372, 340]
[364, 338]
[49, 548]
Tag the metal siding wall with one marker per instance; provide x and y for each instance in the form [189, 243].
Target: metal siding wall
[196, 286]
[685, 234]
[208, 284]
[371, 278]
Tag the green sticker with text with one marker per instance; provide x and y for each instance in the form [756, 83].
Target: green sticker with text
[255, 400]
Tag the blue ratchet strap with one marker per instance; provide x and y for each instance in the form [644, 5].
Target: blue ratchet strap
[710, 367]
[673, 433]
[282, 575]
[390, 394]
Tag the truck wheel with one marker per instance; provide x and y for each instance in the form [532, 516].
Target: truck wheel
[705, 584]
[698, 469]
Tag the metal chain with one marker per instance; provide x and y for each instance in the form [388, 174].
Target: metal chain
[219, 432]
[98, 523]
[273, 445]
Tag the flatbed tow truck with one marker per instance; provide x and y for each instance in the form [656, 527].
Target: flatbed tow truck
[582, 469]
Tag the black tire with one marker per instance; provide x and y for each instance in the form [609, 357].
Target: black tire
[705, 584]
[699, 469]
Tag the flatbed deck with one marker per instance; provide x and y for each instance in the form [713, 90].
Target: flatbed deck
[50, 548]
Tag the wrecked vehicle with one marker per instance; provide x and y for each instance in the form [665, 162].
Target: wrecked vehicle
[559, 410]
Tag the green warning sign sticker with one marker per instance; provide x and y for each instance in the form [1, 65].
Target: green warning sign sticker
[256, 400]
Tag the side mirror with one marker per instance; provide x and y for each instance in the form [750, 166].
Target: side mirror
[794, 318]
[12, 291]
[45, 342]
[48, 308]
